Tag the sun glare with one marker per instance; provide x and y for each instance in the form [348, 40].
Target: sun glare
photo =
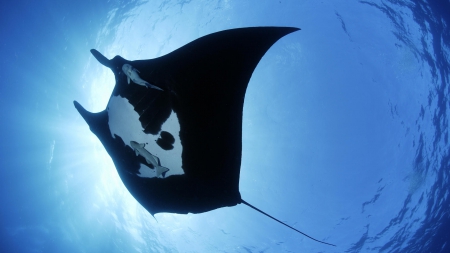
[98, 166]
[101, 88]
[112, 201]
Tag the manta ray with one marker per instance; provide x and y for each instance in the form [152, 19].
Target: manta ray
[192, 98]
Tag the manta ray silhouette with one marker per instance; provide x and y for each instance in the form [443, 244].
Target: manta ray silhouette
[203, 83]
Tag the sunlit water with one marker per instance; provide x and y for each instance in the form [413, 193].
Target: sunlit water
[345, 132]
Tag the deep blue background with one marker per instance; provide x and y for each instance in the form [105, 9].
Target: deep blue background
[345, 127]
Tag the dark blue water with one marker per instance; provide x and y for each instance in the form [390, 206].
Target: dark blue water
[431, 149]
[345, 130]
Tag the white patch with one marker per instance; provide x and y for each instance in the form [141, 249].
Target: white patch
[124, 122]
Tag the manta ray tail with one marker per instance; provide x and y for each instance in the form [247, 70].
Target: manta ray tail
[251, 206]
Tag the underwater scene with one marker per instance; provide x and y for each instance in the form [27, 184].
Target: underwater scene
[225, 126]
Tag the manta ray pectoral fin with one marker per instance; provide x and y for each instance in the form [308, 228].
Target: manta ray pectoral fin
[128, 79]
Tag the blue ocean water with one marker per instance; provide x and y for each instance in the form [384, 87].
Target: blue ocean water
[345, 132]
